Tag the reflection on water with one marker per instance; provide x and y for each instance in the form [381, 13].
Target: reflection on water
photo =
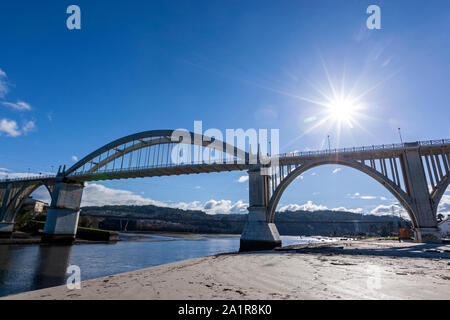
[32, 267]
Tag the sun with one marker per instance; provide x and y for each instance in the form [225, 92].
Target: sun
[342, 110]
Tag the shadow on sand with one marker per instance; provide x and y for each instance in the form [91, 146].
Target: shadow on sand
[401, 250]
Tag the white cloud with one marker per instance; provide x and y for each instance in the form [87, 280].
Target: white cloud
[74, 158]
[99, 195]
[367, 197]
[444, 205]
[3, 84]
[308, 206]
[336, 170]
[28, 126]
[242, 179]
[224, 207]
[19, 105]
[389, 210]
[9, 127]
[359, 196]
[357, 210]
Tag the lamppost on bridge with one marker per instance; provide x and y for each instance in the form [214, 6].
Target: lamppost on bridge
[329, 145]
[400, 134]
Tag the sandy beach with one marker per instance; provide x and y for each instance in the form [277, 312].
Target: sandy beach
[370, 269]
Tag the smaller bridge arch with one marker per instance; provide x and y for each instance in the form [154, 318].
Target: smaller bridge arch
[19, 193]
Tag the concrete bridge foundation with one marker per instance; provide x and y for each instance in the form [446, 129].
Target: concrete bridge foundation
[425, 223]
[63, 214]
[258, 233]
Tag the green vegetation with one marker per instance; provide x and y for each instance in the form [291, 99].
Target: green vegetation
[96, 222]
[326, 223]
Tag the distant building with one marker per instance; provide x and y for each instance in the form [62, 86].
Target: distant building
[34, 206]
[444, 226]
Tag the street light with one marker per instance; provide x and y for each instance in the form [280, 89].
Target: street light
[400, 134]
[329, 145]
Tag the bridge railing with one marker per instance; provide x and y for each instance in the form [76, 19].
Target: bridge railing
[393, 146]
[30, 177]
[233, 161]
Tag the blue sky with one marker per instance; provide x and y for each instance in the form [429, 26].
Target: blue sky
[142, 65]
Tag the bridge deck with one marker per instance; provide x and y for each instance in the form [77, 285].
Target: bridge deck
[293, 158]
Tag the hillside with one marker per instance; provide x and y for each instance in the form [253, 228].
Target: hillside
[153, 218]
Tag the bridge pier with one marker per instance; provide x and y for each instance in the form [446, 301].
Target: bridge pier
[62, 218]
[425, 224]
[258, 233]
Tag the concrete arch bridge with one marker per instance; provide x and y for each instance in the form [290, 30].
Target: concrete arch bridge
[416, 173]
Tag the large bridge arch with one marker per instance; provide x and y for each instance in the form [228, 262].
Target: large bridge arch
[394, 189]
[139, 141]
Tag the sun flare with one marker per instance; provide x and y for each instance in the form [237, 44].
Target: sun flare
[342, 110]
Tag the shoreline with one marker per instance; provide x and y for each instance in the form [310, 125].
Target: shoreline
[368, 269]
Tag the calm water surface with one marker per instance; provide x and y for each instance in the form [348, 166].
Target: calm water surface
[31, 267]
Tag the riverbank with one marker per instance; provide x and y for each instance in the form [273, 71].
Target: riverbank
[370, 269]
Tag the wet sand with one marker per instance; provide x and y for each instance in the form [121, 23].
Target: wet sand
[370, 269]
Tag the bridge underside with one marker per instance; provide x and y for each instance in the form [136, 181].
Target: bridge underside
[158, 172]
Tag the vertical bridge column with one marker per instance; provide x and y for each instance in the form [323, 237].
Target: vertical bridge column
[258, 233]
[6, 227]
[62, 219]
[425, 228]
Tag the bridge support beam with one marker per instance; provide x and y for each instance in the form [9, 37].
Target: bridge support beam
[258, 233]
[62, 218]
[425, 228]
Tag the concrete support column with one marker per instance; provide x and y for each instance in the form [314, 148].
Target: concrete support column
[425, 228]
[5, 192]
[258, 233]
[6, 227]
[62, 219]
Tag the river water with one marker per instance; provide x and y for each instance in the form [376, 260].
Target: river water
[31, 267]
